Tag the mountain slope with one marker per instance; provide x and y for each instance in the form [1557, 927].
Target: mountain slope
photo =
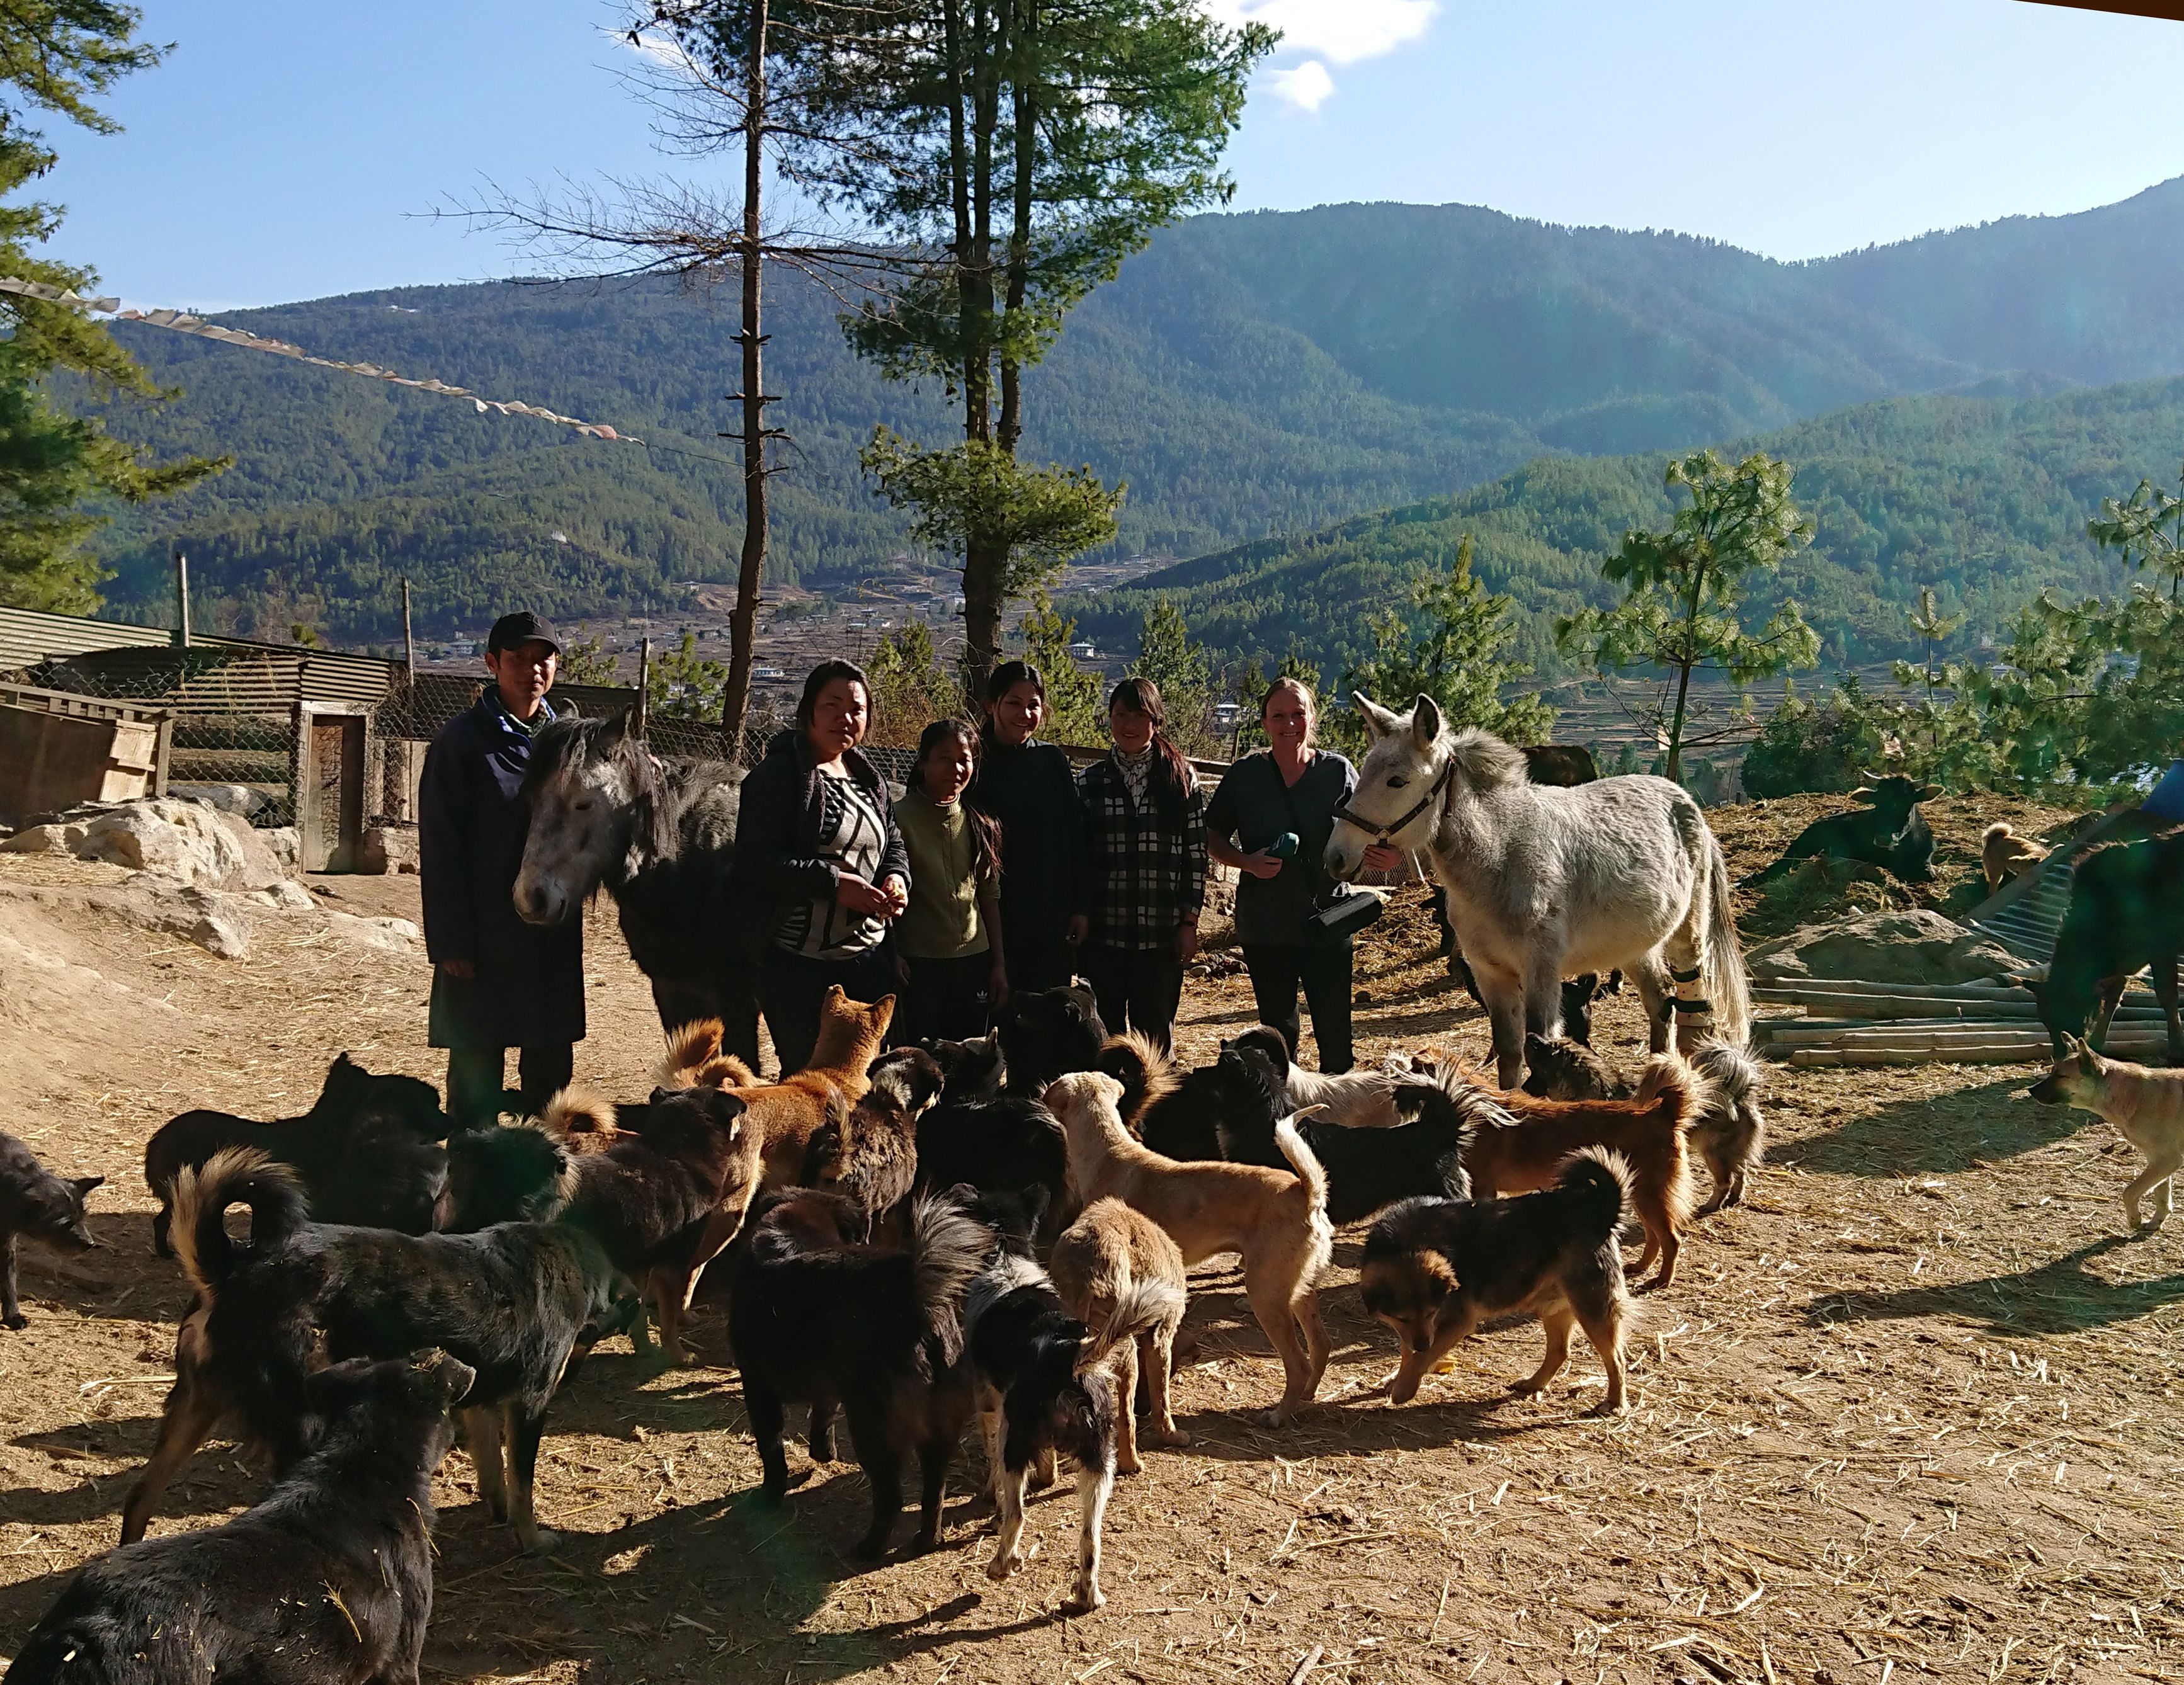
[1247, 375]
[1984, 499]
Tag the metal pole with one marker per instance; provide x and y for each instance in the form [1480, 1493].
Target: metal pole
[182, 596]
[644, 687]
[408, 639]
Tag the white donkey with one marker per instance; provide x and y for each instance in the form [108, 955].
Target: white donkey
[1546, 883]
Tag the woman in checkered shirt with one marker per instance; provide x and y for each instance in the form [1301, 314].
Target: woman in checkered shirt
[1145, 827]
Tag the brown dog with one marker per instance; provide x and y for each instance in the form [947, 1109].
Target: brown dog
[1099, 1260]
[2146, 1106]
[1527, 1154]
[1278, 1221]
[2003, 854]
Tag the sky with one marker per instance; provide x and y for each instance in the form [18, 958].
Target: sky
[289, 150]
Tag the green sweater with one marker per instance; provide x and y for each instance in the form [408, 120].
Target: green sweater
[946, 917]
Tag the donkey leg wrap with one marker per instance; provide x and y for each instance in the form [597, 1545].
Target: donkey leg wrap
[1688, 1013]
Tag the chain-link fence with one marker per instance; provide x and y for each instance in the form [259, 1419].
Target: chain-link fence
[234, 717]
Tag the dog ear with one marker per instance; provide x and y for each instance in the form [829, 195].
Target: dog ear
[1928, 792]
[661, 1096]
[84, 1184]
[451, 1377]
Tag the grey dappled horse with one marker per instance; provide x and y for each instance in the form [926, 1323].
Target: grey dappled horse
[659, 837]
[1545, 881]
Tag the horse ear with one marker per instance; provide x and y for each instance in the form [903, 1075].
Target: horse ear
[1426, 722]
[1379, 720]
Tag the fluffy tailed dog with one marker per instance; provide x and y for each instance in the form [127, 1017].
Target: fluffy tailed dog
[1277, 1221]
[511, 1302]
[1047, 1033]
[977, 1135]
[868, 1152]
[1048, 1384]
[1434, 1269]
[327, 1580]
[2146, 1108]
[363, 1150]
[818, 1317]
[1729, 1133]
[1517, 1144]
[1182, 1115]
[1100, 1262]
[2003, 854]
[1368, 1169]
[656, 1185]
[1357, 1099]
[35, 1204]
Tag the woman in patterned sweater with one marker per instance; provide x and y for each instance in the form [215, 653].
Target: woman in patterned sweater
[1145, 826]
[818, 852]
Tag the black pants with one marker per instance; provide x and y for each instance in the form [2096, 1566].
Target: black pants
[1323, 971]
[1138, 988]
[792, 985]
[945, 998]
[475, 1076]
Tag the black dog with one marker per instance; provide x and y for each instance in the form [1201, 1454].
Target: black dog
[1434, 1269]
[1043, 1034]
[1180, 1116]
[328, 1579]
[1047, 1384]
[363, 1150]
[817, 1317]
[511, 1302]
[868, 1152]
[1367, 1169]
[992, 1142]
[37, 1205]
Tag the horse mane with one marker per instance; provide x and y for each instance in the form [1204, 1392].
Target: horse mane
[1484, 761]
[655, 833]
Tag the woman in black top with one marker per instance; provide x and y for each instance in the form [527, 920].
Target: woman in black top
[817, 848]
[1144, 835]
[1028, 789]
[1290, 789]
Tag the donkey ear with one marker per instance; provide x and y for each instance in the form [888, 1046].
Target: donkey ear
[1426, 722]
[1379, 720]
[612, 733]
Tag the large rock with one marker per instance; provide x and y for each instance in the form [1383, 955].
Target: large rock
[57, 838]
[183, 840]
[1915, 946]
[261, 868]
[393, 935]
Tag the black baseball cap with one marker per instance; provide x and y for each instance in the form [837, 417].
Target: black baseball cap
[512, 632]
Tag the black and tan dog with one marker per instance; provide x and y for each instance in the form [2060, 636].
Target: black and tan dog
[511, 1302]
[365, 1151]
[327, 1580]
[818, 1317]
[1434, 1269]
[1049, 1385]
[36, 1206]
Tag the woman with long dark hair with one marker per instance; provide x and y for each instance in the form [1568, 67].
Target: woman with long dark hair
[1144, 885]
[1028, 789]
[1271, 819]
[817, 850]
[948, 956]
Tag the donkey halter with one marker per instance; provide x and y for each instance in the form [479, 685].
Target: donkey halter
[1383, 835]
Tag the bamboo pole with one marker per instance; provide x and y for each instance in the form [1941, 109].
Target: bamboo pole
[1968, 1034]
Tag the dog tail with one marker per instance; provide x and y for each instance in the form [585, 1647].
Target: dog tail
[1147, 1075]
[234, 1176]
[1299, 1152]
[1140, 1308]
[1673, 1087]
[689, 1047]
[582, 1119]
[1999, 829]
[1599, 1180]
[1732, 1070]
[948, 1249]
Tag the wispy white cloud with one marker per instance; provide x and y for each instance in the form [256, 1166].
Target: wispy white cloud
[1342, 31]
[1307, 86]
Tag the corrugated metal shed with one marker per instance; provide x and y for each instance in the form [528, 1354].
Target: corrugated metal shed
[115, 659]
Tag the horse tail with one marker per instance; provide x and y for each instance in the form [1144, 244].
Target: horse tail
[1723, 963]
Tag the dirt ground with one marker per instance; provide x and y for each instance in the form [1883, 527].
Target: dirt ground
[1910, 1412]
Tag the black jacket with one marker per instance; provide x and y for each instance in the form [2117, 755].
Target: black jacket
[777, 858]
[471, 823]
[1030, 791]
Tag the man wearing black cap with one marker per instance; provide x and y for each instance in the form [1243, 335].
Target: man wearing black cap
[496, 982]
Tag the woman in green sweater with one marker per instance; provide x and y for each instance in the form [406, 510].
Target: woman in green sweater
[948, 958]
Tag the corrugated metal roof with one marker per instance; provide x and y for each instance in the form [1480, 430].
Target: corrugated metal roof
[113, 659]
[28, 636]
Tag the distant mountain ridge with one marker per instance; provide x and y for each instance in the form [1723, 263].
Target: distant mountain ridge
[1247, 374]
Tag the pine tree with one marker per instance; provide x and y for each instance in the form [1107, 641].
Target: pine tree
[1457, 655]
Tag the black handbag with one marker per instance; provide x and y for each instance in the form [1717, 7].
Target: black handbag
[1344, 911]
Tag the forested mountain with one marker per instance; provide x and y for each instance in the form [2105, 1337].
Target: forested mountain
[1247, 375]
[1984, 499]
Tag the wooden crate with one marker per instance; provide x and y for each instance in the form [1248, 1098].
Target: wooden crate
[55, 757]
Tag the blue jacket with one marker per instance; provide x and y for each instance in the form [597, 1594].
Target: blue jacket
[471, 824]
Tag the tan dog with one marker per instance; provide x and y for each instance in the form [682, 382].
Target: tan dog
[2146, 1106]
[2003, 854]
[1098, 1261]
[1278, 1221]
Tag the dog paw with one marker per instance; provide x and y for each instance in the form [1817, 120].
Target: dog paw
[1610, 1407]
[1085, 1603]
[871, 1547]
[1005, 1565]
[1128, 1466]
[1167, 1441]
[1524, 1389]
[542, 1542]
[18, 1320]
[1280, 1416]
